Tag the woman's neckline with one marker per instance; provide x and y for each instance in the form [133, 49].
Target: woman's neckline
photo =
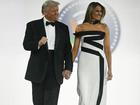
[91, 31]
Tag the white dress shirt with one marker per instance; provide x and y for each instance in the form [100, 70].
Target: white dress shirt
[50, 34]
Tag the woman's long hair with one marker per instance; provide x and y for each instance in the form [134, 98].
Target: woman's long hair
[90, 9]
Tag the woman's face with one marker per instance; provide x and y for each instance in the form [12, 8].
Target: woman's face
[97, 13]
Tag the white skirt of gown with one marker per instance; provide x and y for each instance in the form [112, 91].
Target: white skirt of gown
[91, 89]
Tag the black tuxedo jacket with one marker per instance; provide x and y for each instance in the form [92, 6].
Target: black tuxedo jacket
[36, 69]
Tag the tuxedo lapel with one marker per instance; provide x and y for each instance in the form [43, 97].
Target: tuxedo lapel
[42, 28]
[57, 36]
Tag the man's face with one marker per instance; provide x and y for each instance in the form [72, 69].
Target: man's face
[51, 13]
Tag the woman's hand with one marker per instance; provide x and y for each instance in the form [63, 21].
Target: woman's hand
[109, 75]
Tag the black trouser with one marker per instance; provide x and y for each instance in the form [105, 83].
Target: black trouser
[47, 92]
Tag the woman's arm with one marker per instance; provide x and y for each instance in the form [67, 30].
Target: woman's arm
[108, 52]
[75, 47]
[76, 43]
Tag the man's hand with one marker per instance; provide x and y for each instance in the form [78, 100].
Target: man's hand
[42, 41]
[66, 74]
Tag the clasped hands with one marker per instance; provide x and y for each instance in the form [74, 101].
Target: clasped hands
[66, 74]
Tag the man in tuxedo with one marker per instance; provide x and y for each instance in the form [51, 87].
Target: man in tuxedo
[51, 57]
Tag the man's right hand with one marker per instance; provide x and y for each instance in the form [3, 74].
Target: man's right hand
[42, 41]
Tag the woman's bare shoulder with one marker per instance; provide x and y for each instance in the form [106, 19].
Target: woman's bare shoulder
[104, 27]
[82, 27]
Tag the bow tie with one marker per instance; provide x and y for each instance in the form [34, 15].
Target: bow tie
[50, 23]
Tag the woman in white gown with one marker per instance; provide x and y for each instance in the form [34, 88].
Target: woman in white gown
[94, 64]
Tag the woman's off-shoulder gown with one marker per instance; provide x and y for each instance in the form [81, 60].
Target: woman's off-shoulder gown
[92, 67]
